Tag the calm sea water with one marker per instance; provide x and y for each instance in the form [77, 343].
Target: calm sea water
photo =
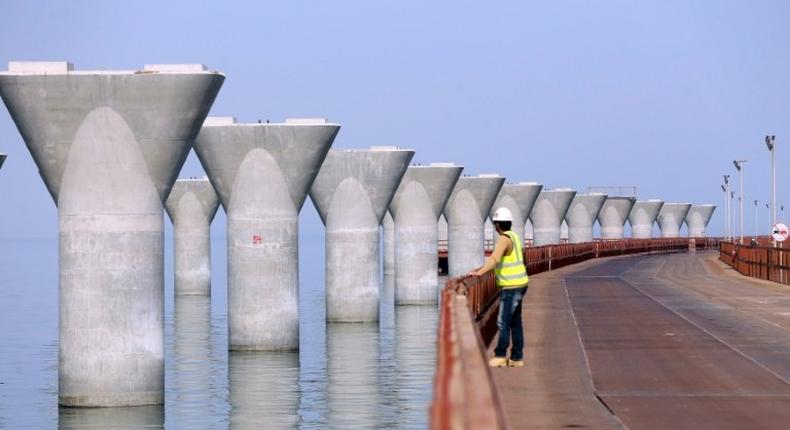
[345, 375]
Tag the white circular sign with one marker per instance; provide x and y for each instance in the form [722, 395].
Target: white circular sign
[780, 232]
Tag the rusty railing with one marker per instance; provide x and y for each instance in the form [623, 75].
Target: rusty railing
[762, 261]
[464, 392]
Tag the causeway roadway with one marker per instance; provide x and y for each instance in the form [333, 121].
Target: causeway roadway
[677, 341]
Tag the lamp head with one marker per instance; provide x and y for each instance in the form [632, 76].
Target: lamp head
[769, 142]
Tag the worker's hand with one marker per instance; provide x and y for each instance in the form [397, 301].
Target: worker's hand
[474, 273]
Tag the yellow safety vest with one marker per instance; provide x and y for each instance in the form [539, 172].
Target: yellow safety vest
[511, 271]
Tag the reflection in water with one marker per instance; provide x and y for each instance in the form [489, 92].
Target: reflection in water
[415, 350]
[152, 417]
[344, 376]
[352, 363]
[189, 387]
[264, 390]
[388, 365]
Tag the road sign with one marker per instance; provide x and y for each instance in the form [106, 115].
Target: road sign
[780, 232]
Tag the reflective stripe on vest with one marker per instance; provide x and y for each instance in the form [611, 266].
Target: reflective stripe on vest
[511, 272]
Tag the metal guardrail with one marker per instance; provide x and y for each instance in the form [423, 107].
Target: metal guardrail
[462, 374]
[465, 396]
[761, 261]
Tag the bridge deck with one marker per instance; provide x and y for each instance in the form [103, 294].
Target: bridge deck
[673, 341]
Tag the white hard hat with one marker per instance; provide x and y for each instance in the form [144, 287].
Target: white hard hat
[502, 214]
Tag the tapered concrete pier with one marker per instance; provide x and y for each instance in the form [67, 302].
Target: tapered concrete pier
[466, 212]
[109, 146]
[262, 173]
[191, 206]
[547, 214]
[613, 215]
[519, 199]
[671, 218]
[416, 207]
[642, 217]
[581, 216]
[352, 193]
[698, 218]
[441, 228]
[388, 240]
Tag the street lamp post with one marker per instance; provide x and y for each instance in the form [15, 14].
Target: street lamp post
[768, 210]
[739, 166]
[726, 189]
[727, 214]
[732, 197]
[770, 143]
[755, 219]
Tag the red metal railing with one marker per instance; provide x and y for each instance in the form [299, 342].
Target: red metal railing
[761, 261]
[462, 374]
[471, 303]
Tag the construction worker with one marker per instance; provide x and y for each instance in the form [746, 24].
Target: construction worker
[507, 261]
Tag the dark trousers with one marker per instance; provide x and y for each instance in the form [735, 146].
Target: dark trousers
[509, 323]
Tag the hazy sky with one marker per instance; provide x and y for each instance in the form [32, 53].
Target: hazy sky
[657, 94]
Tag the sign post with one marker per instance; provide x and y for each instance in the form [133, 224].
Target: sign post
[780, 233]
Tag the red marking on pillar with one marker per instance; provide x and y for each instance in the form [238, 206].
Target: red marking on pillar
[257, 239]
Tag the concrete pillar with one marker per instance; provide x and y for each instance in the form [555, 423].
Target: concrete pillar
[671, 218]
[488, 230]
[352, 192]
[109, 146]
[519, 199]
[262, 173]
[614, 213]
[529, 232]
[642, 217]
[581, 216]
[547, 214]
[417, 205]
[191, 205]
[698, 218]
[388, 227]
[441, 228]
[466, 211]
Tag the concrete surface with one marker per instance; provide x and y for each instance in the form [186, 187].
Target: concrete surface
[352, 192]
[698, 218]
[262, 173]
[191, 205]
[466, 212]
[547, 214]
[109, 146]
[388, 242]
[671, 218]
[613, 215]
[642, 217]
[416, 207]
[654, 342]
[519, 199]
[581, 216]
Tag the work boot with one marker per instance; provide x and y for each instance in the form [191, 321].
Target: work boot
[515, 363]
[497, 362]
